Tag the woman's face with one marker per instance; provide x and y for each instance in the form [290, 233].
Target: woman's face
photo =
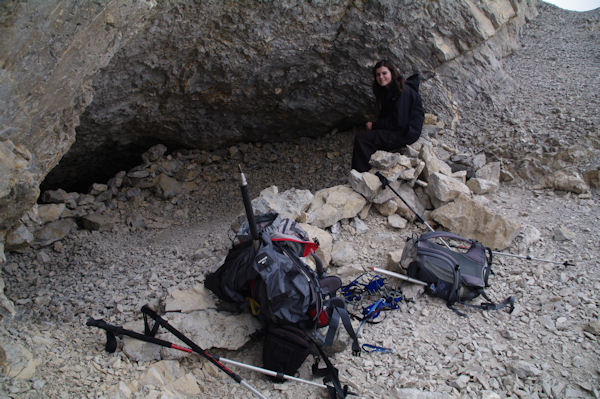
[383, 76]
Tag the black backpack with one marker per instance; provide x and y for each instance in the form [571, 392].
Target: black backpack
[291, 300]
[452, 275]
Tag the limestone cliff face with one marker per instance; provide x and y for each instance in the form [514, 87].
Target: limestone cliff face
[77, 77]
[205, 74]
[50, 51]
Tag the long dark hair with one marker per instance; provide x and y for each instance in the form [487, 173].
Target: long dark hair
[397, 80]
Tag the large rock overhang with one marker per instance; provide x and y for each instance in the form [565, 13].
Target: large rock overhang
[84, 78]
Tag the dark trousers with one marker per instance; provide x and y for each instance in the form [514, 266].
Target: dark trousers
[367, 142]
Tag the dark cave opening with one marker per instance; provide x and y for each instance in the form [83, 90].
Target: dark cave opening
[79, 169]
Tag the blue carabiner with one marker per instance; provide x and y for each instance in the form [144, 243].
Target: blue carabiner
[371, 312]
[374, 348]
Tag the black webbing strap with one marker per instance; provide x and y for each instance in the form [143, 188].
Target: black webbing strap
[150, 332]
[338, 311]
[489, 270]
[330, 374]
[491, 305]
[454, 295]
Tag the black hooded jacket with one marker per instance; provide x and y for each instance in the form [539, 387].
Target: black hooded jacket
[402, 112]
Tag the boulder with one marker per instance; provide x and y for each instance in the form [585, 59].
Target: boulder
[325, 240]
[366, 184]
[96, 222]
[97, 188]
[460, 175]
[290, 204]
[215, 329]
[50, 212]
[333, 204]
[527, 236]
[167, 187]
[481, 186]
[387, 160]
[432, 163]
[471, 219]
[490, 171]
[443, 188]
[60, 196]
[54, 231]
[396, 221]
[387, 208]
[18, 238]
[569, 180]
[154, 153]
[393, 259]
[186, 301]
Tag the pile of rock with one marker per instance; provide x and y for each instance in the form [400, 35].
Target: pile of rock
[450, 195]
[444, 186]
[160, 178]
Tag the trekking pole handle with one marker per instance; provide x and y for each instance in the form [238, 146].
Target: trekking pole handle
[384, 181]
[248, 205]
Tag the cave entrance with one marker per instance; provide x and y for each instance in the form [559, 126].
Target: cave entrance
[80, 168]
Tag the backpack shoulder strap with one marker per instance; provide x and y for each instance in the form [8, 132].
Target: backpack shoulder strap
[339, 312]
[330, 374]
[491, 305]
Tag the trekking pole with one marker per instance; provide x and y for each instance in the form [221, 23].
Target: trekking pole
[162, 322]
[111, 345]
[565, 263]
[271, 372]
[400, 276]
[248, 207]
[386, 183]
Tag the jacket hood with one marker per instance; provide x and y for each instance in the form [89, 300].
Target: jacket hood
[413, 81]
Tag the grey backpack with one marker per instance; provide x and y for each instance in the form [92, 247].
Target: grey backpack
[456, 276]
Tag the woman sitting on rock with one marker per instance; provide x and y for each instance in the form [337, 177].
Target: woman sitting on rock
[400, 118]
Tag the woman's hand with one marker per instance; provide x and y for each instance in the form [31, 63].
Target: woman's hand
[369, 125]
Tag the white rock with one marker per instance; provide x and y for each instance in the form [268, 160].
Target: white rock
[333, 204]
[481, 186]
[186, 301]
[396, 221]
[343, 253]
[444, 188]
[366, 184]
